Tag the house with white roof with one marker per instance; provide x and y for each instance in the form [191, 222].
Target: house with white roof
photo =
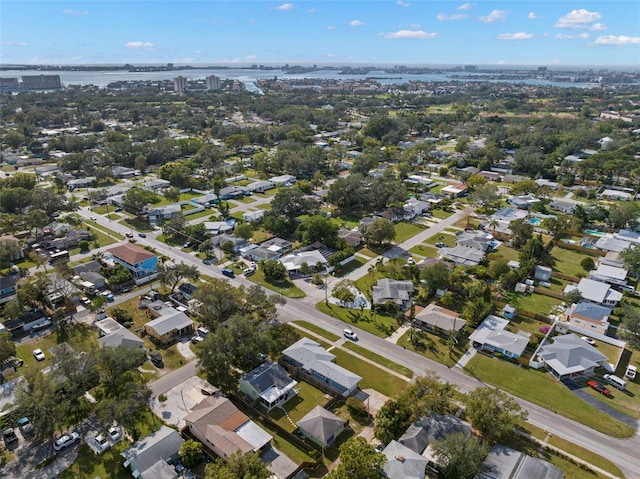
[393, 290]
[563, 207]
[308, 356]
[609, 274]
[523, 202]
[628, 235]
[625, 194]
[491, 335]
[590, 316]
[169, 325]
[607, 243]
[217, 227]
[596, 292]
[570, 356]
[293, 262]
[283, 180]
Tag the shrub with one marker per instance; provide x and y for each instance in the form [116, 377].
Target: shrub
[162, 397]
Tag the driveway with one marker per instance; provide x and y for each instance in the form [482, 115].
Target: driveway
[579, 391]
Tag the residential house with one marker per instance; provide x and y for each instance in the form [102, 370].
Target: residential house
[507, 214]
[596, 292]
[8, 288]
[205, 200]
[218, 424]
[505, 463]
[139, 261]
[124, 172]
[321, 426]
[393, 290]
[232, 192]
[477, 240]
[570, 356]
[433, 198]
[542, 273]
[187, 290]
[393, 213]
[18, 253]
[260, 186]
[609, 274]
[81, 182]
[493, 337]
[563, 207]
[238, 243]
[403, 463]
[590, 316]
[250, 216]
[218, 227]
[617, 194]
[169, 325]
[90, 266]
[273, 248]
[544, 182]
[72, 239]
[96, 279]
[163, 213]
[438, 319]
[491, 175]
[283, 180]
[158, 184]
[417, 207]
[151, 457]
[607, 243]
[454, 191]
[27, 321]
[113, 334]
[308, 356]
[269, 384]
[523, 202]
[462, 256]
[631, 236]
[293, 262]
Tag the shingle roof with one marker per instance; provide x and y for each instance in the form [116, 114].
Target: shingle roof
[429, 429]
[505, 463]
[594, 291]
[389, 289]
[403, 463]
[169, 322]
[267, 375]
[570, 354]
[441, 317]
[160, 445]
[590, 310]
[321, 424]
[130, 253]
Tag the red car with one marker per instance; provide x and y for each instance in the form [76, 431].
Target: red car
[598, 387]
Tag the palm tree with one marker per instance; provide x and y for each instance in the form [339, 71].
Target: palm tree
[493, 224]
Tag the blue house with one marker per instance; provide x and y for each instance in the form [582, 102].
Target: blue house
[508, 311]
[139, 261]
[8, 288]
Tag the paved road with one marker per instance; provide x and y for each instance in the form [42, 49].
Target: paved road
[624, 453]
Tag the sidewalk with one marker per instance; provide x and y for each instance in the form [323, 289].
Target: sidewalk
[466, 357]
[397, 334]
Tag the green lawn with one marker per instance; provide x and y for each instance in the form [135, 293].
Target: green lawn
[448, 239]
[341, 271]
[246, 200]
[284, 287]
[380, 325]
[387, 363]
[297, 407]
[368, 252]
[542, 388]
[423, 250]
[372, 376]
[567, 261]
[105, 237]
[406, 230]
[199, 214]
[317, 329]
[433, 347]
[137, 224]
[441, 214]
[366, 282]
[532, 302]
[505, 253]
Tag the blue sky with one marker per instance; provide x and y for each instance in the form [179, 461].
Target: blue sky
[319, 31]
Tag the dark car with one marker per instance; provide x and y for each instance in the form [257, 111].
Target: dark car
[228, 272]
[142, 235]
[210, 261]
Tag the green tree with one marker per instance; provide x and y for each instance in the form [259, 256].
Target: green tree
[172, 194]
[37, 398]
[587, 263]
[498, 268]
[342, 291]
[493, 413]
[177, 172]
[435, 276]
[318, 228]
[172, 275]
[379, 232]
[521, 231]
[274, 269]
[358, 460]
[238, 466]
[243, 231]
[630, 327]
[136, 199]
[7, 348]
[9, 250]
[631, 258]
[191, 453]
[219, 301]
[573, 296]
[484, 195]
[461, 457]
[38, 219]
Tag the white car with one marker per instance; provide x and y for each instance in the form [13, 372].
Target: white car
[588, 340]
[350, 335]
[115, 433]
[39, 355]
[101, 443]
[65, 441]
[93, 218]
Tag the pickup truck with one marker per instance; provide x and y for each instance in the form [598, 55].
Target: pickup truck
[598, 387]
[9, 436]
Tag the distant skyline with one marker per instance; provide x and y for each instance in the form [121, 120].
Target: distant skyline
[368, 32]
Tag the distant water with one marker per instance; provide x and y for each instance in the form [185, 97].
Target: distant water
[250, 76]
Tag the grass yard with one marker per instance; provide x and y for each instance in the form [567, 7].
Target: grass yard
[406, 230]
[380, 325]
[349, 267]
[567, 261]
[199, 214]
[541, 388]
[297, 407]
[317, 329]
[532, 302]
[387, 363]
[137, 224]
[433, 347]
[440, 214]
[260, 235]
[105, 236]
[505, 253]
[246, 200]
[449, 240]
[372, 376]
[423, 250]
[284, 286]
[367, 252]
[366, 282]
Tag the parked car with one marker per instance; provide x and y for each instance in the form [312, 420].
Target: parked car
[9, 436]
[209, 261]
[350, 335]
[441, 245]
[129, 235]
[93, 218]
[118, 209]
[229, 273]
[588, 340]
[631, 372]
[187, 244]
[142, 235]
[196, 339]
[101, 443]
[65, 441]
[248, 271]
[598, 387]
[25, 426]
[39, 355]
[115, 433]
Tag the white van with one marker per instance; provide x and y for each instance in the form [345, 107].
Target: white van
[631, 372]
[615, 381]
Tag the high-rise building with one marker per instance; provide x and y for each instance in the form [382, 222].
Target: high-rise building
[180, 84]
[213, 82]
[41, 82]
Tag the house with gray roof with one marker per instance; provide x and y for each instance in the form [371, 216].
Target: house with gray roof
[438, 319]
[609, 274]
[523, 202]
[161, 213]
[269, 384]
[308, 356]
[505, 463]
[151, 456]
[90, 266]
[570, 356]
[403, 463]
[491, 335]
[321, 426]
[169, 326]
[393, 290]
[477, 240]
[124, 172]
[508, 214]
[606, 243]
[591, 316]
[273, 248]
[121, 337]
[596, 292]
[462, 255]
[563, 207]
[294, 261]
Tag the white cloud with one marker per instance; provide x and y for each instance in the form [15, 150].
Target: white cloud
[494, 16]
[618, 40]
[9, 43]
[501, 62]
[414, 34]
[356, 23]
[285, 6]
[145, 45]
[454, 16]
[312, 10]
[577, 19]
[403, 4]
[515, 36]
[331, 27]
[76, 13]
[466, 6]
[564, 36]
[251, 58]
[532, 16]
[597, 27]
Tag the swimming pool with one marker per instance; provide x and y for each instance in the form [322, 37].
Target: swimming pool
[535, 221]
[595, 233]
